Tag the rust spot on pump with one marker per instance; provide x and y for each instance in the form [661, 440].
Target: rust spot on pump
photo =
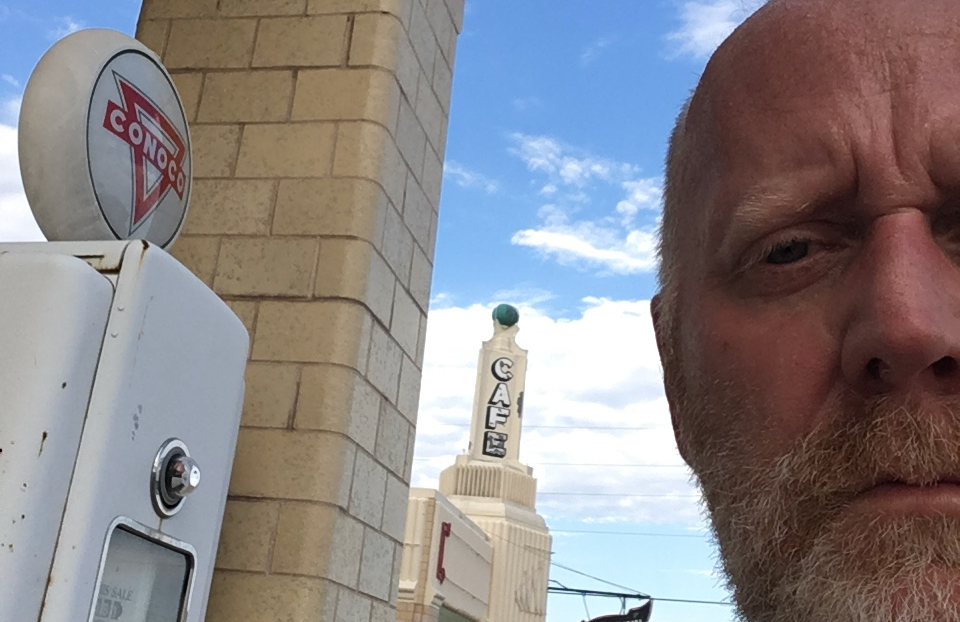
[143, 253]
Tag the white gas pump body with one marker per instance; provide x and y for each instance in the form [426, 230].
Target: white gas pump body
[109, 350]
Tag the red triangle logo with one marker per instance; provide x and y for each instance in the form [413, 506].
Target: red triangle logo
[156, 146]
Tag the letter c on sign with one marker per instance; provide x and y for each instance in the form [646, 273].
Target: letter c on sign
[116, 120]
[501, 369]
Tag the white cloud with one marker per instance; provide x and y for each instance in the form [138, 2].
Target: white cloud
[586, 242]
[641, 194]
[16, 220]
[466, 178]
[525, 296]
[592, 51]
[597, 370]
[522, 104]
[550, 156]
[10, 80]
[706, 23]
[66, 26]
[10, 111]
[618, 241]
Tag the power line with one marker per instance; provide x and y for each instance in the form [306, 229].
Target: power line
[605, 533]
[624, 587]
[590, 576]
[632, 533]
[612, 464]
[617, 494]
[581, 464]
[547, 555]
[562, 427]
[589, 427]
[695, 602]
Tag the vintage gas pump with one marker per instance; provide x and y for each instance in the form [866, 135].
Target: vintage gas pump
[121, 374]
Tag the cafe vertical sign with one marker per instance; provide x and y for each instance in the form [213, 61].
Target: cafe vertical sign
[498, 402]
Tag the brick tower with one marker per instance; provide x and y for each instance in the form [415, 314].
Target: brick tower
[319, 129]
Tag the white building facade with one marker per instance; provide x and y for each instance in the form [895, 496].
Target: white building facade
[494, 494]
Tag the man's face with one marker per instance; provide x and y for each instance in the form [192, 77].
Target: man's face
[813, 366]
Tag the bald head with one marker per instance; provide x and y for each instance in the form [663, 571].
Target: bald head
[842, 67]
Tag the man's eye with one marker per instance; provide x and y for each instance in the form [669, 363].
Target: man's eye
[788, 252]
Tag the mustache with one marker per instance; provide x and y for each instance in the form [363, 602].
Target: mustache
[861, 445]
[776, 507]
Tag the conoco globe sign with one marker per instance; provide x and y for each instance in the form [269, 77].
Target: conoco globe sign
[104, 143]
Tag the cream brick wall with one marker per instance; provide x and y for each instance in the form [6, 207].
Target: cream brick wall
[318, 129]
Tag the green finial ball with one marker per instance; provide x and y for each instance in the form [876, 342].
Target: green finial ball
[506, 315]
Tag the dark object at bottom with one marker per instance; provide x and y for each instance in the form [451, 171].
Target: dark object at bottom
[637, 614]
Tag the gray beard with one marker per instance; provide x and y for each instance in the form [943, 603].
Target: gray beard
[904, 570]
[791, 550]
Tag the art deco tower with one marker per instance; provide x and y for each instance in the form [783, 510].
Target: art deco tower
[494, 489]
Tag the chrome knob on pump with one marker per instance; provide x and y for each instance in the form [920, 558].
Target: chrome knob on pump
[175, 475]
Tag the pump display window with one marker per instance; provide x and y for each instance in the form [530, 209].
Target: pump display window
[142, 580]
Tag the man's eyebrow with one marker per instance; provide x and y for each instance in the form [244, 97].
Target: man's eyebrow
[760, 211]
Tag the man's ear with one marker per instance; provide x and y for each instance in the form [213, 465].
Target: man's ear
[667, 353]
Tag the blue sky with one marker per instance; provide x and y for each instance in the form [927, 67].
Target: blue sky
[553, 173]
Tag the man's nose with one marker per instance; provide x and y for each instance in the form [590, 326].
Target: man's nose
[904, 333]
